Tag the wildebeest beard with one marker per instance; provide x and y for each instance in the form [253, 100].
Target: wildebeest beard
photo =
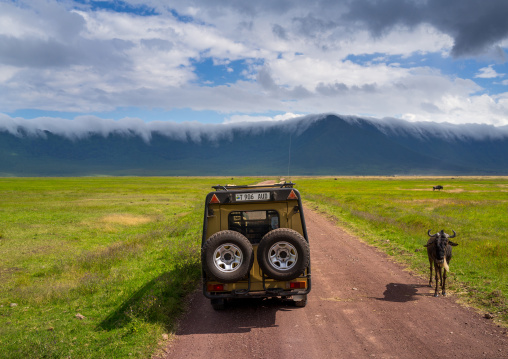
[440, 251]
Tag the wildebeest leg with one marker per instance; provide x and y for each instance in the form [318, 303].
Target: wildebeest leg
[437, 270]
[444, 282]
[430, 265]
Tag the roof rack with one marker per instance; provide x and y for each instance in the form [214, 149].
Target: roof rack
[233, 187]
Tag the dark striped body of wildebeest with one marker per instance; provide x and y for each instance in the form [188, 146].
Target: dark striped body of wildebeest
[438, 187]
[439, 250]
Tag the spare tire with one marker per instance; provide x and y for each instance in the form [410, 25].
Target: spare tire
[227, 256]
[283, 254]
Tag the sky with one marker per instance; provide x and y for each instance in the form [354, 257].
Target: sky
[230, 61]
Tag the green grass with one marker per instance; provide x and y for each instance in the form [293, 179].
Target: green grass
[122, 252]
[395, 214]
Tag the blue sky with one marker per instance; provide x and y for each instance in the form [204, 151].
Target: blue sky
[228, 61]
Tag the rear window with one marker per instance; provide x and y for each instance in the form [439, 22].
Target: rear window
[253, 224]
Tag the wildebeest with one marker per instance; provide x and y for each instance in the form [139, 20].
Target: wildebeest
[438, 187]
[439, 250]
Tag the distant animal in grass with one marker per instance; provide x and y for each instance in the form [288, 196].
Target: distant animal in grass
[438, 187]
[439, 251]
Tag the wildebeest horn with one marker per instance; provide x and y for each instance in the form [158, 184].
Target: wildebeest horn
[430, 235]
[454, 234]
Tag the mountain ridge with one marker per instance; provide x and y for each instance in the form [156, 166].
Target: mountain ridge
[320, 145]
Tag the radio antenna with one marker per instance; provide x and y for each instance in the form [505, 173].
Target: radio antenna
[289, 157]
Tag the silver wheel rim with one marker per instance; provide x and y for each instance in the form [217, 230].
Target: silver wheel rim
[282, 256]
[227, 258]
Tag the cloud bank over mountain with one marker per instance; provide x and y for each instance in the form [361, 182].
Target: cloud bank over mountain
[319, 145]
[85, 126]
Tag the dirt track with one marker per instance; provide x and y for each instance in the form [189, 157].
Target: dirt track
[362, 305]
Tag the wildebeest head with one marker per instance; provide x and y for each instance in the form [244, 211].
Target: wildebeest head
[439, 243]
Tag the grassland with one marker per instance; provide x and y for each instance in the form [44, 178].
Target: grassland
[396, 213]
[96, 267]
[99, 267]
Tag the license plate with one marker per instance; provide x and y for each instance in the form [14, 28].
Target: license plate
[257, 196]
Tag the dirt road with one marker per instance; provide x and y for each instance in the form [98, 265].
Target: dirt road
[362, 305]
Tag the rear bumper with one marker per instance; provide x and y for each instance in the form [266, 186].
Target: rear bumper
[261, 294]
[268, 291]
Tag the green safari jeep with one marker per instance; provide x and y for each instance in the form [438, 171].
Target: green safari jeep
[255, 244]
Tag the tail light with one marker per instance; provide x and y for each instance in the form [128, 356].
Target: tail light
[297, 285]
[216, 287]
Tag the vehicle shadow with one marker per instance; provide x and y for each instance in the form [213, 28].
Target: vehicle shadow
[240, 315]
[164, 300]
[399, 292]
[158, 301]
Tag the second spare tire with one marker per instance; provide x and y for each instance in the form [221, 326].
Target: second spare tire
[283, 254]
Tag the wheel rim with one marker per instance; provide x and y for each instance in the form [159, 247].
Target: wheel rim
[282, 256]
[228, 258]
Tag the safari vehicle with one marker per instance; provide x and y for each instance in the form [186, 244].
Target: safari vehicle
[255, 244]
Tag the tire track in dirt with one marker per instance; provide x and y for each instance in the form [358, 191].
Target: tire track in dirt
[362, 305]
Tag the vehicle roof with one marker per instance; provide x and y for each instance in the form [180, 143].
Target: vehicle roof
[232, 187]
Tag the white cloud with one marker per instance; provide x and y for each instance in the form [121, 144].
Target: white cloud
[39, 19]
[488, 73]
[248, 118]
[311, 72]
[297, 60]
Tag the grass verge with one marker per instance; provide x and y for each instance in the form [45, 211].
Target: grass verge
[395, 214]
